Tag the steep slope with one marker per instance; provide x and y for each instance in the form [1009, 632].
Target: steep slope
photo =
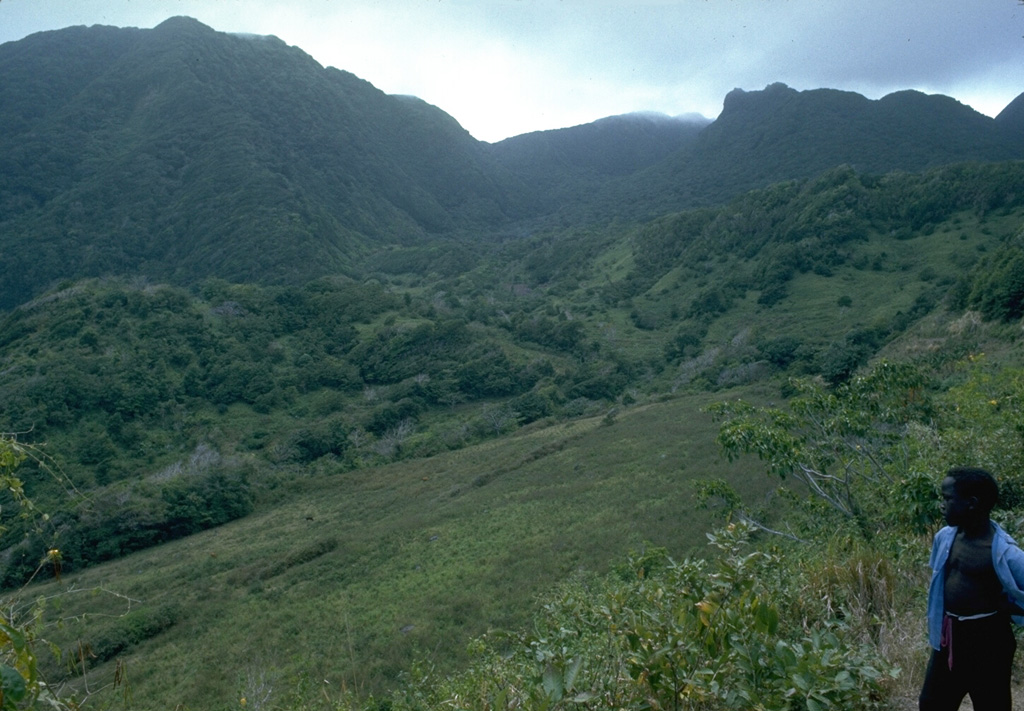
[170, 412]
[1011, 119]
[182, 152]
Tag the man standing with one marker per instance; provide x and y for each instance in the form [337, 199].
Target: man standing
[977, 584]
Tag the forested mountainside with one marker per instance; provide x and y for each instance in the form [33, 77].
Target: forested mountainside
[182, 153]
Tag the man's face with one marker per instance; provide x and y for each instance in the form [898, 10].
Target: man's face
[955, 508]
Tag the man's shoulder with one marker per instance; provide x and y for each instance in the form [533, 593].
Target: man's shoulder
[1005, 546]
[1000, 534]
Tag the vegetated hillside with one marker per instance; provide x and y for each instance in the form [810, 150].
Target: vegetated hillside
[351, 576]
[181, 153]
[1011, 118]
[132, 384]
[363, 553]
[353, 336]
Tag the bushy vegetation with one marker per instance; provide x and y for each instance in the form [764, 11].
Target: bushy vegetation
[22, 624]
[708, 633]
[259, 165]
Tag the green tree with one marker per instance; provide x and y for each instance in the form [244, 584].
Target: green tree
[980, 421]
[843, 443]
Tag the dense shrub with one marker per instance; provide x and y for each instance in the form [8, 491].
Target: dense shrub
[125, 519]
[998, 290]
[121, 635]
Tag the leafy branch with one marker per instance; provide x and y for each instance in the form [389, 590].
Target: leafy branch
[843, 444]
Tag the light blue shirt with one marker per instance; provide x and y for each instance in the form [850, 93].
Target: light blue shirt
[1007, 559]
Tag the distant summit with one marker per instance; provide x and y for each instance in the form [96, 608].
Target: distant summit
[181, 23]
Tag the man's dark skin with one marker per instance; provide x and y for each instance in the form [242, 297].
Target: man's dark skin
[972, 587]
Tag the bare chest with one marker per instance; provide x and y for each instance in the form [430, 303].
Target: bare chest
[970, 558]
[972, 586]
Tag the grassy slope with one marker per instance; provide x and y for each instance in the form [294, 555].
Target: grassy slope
[350, 578]
[812, 311]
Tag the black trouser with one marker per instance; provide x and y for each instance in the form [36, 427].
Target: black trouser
[982, 656]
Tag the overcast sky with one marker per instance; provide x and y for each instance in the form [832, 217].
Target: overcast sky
[505, 67]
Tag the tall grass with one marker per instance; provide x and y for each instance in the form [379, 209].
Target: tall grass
[357, 574]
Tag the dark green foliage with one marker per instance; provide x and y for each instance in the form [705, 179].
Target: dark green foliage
[490, 375]
[119, 521]
[330, 436]
[531, 406]
[602, 381]
[193, 506]
[777, 134]
[560, 334]
[392, 414]
[773, 294]
[397, 353]
[127, 379]
[123, 634]
[841, 358]
[998, 285]
[780, 352]
[710, 304]
[808, 226]
[484, 288]
[132, 163]
[687, 342]
[187, 154]
[440, 258]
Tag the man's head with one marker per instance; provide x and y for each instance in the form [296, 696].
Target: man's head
[968, 494]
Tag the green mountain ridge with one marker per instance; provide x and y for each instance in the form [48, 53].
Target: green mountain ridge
[182, 153]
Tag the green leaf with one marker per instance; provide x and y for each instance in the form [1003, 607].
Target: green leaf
[552, 682]
[767, 618]
[572, 671]
[12, 684]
